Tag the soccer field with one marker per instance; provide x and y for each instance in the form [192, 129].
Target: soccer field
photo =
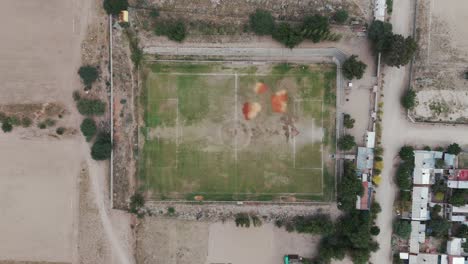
[218, 131]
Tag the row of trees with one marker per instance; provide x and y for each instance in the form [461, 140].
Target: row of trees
[396, 50]
[313, 27]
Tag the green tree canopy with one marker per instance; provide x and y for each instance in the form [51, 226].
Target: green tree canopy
[287, 35]
[438, 226]
[262, 22]
[353, 68]
[102, 147]
[7, 126]
[113, 7]
[380, 34]
[402, 228]
[458, 197]
[408, 101]
[403, 176]
[341, 16]
[89, 75]
[346, 142]
[90, 107]
[88, 128]
[349, 187]
[314, 224]
[407, 153]
[454, 149]
[315, 27]
[400, 51]
[348, 122]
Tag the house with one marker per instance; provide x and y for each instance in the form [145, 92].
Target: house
[370, 139]
[418, 236]
[458, 214]
[425, 258]
[363, 202]
[364, 166]
[420, 198]
[459, 181]
[454, 246]
[123, 16]
[424, 166]
[456, 260]
[380, 9]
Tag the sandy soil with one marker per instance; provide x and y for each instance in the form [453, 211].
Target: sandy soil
[178, 241]
[441, 61]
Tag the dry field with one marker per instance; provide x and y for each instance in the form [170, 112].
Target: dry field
[442, 61]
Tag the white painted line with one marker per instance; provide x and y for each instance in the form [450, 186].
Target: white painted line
[235, 115]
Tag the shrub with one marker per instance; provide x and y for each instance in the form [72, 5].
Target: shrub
[113, 7]
[89, 75]
[315, 224]
[154, 13]
[88, 128]
[262, 22]
[315, 28]
[60, 130]
[242, 220]
[454, 149]
[353, 68]
[90, 107]
[408, 101]
[76, 96]
[42, 125]
[172, 29]
[137, 201]
[7, 126]
[256, 221]
[13, 120]
[287, 35]
[171, 210]
[49, 122]
[438, 226]
[403, 176]
[341, 16]
[458, 197]
[375, 230]
[346, 142]
[26, 122]
[348, 122]
[102, 148]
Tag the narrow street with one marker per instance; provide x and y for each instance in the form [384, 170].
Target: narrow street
[398, 131]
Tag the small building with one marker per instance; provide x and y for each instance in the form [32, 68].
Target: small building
[450, 160]
[418, 236]
[426, 258]
[380, 9]
[404, 255]
[370, 139]
[420, 199]
[456, 260]
[123, 16]
[454, 246]
[364, 161]
[363, 202]
[459, 181]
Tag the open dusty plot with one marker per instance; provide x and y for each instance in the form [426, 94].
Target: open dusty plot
[220, 132]
[186, 242]
[441, 62]
[36, 199]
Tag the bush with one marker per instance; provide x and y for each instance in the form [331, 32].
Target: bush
[348, 122]
[89, 75]
[287, 35]
[242, 220]
[458, 197]
[137, 201]
[171, 210]
[262, 22]
[403, 176]
[154, 13]
[76, 96]
[13, 120]
[172, 29]
[402, 229]
[42, 125]
[26, 122]
[88, 128]
[353, 68]
[256, 221]
[349, 187]
[113, 7]
[400, 50]
[315, 224]
[438, 226]
[375, 230]
[454, 149]
[90, 107]
[7, 126]
[341, 16]
[346, 142]
[102, 148]
[408, 101]
[60, 130]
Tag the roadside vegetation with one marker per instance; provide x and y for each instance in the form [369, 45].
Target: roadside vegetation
[408, 101]
[353, 68]
[346, 142]
[88, 74]
[348, 121]
[113, 7]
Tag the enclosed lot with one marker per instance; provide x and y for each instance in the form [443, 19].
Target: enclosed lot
[227, 132]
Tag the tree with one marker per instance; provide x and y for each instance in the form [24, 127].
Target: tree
[402, 228]
[438, 226]
[375, 230]
[287, 35]
[102, 148]
[242, 220]
[88, 128]
[408, 101]
[348, 122]
[400, 51]
[341, 16]
[349, 187]
[403, 176]
[346, 142]
[315, 224]
[353, 68]
[7, 126]
[407, 153]
[113, 7]
[262, 22]
[458, 197]
[380, 34]
[173, 29]
[89, 75]
[90, 107]
[315, 27]
[454, 149]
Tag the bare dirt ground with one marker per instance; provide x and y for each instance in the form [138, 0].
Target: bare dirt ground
[186, 242]
[441, 62]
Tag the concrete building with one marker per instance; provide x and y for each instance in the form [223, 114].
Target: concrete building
[418, 236]
[380, 9]
[420, 201]
[425, 258]
[454, 246]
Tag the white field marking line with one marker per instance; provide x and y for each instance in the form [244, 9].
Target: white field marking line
[321, 145]
[235, 115]
[223, 74]
[294, 139]
[177, 134]
[431, 6]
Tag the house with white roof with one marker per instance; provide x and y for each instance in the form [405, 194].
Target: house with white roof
[419, 205]
[418, 236]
